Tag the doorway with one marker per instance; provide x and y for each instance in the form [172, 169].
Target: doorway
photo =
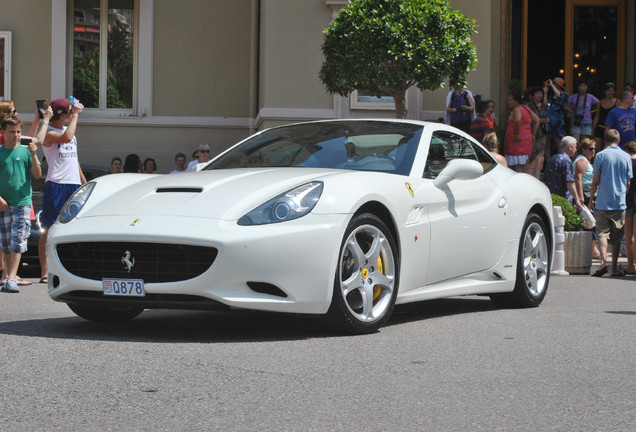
[578, 40]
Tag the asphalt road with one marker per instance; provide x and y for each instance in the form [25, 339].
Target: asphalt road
[448, 365]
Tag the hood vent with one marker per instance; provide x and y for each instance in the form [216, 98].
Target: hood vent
[180, 189]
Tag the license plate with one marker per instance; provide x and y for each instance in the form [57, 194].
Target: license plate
[124, 287]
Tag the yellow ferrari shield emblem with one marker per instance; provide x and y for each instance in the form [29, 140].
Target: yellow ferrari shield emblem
[365, 273]
[410, 188]
[135, 222]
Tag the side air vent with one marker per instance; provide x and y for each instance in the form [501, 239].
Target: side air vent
[266, 288]
[180, 189]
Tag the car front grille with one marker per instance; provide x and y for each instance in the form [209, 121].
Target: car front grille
[152, 262]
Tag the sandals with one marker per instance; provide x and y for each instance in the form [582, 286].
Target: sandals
[44, 280]
[619, 274]
[22, 282]
[600, 272]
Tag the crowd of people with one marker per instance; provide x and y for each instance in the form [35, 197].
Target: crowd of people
[133, 164]
[583, 147]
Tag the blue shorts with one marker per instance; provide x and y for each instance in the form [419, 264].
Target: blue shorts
[55, 196]
[584, 129]
[15, 229]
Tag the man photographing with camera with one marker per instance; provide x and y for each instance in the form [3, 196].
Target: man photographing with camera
[64, 175]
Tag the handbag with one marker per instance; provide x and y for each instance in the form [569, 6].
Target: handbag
[588, 219]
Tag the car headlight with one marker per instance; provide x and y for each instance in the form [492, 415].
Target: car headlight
[288, 206]
[75, 203]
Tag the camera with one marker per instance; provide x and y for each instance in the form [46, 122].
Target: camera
[578, 118]
[546, 128]
[25, 141]
[42, 105]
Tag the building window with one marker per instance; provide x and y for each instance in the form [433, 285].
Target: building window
[362, 99]
[5, 65]
[104, 53]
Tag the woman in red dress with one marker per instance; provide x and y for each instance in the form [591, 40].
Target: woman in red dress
[520, 130]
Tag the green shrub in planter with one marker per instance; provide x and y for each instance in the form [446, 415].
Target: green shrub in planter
[572, 221]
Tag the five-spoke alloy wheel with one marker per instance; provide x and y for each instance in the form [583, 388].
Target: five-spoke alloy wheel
[366, 281]
[533, 266]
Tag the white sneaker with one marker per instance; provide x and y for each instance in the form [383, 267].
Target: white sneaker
[11, 286]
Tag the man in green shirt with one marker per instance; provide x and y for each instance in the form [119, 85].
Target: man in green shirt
[17, 164]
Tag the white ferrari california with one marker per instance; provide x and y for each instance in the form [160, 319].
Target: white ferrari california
[344, 219]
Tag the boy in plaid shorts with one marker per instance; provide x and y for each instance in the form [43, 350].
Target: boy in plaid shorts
[16, 163]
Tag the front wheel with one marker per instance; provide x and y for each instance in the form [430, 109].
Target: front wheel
[105, 313]
[366, 281]
[533, 266]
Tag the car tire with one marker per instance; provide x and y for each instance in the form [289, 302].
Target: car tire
[105, 313]
[533, 266]
[366, 280]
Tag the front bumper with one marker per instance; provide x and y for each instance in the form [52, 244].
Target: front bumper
[284, 267]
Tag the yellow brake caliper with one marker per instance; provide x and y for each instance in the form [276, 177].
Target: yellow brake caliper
[377, 290]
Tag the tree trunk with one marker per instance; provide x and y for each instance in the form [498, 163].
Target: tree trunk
[400, 103]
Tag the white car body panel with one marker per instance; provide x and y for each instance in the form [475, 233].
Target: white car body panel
[458, 240]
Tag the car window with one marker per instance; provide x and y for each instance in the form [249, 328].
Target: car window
[446, 146]
[382, 146]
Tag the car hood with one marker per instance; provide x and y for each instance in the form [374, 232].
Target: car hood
[220, 194]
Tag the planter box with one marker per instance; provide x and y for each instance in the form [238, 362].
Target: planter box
[578, 251]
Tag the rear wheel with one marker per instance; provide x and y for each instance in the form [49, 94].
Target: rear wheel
[366, 281]
[105, 313]
[533, 266]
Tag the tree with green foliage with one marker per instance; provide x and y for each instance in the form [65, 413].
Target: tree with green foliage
[391, 45]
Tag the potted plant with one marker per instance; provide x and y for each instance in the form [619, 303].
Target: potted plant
[578, 244]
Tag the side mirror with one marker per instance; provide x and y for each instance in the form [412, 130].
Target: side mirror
[458, 169]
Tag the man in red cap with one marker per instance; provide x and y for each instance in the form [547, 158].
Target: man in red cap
[64, 175]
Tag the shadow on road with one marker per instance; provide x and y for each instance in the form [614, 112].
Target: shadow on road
[440, 308]
[236, 326]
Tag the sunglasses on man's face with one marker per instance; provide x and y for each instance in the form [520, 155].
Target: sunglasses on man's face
[12, 111]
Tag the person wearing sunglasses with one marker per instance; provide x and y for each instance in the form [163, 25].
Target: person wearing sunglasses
[583, 169]
[203, 154]
[583, 176]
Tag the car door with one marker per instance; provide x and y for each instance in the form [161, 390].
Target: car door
[467, 218]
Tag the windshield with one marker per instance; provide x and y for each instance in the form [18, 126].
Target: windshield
[354, 145]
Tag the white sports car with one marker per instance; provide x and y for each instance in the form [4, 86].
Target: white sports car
[341, 218]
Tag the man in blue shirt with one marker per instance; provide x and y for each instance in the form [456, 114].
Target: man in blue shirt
[559, 173]
[612, 174]
[623, 119]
